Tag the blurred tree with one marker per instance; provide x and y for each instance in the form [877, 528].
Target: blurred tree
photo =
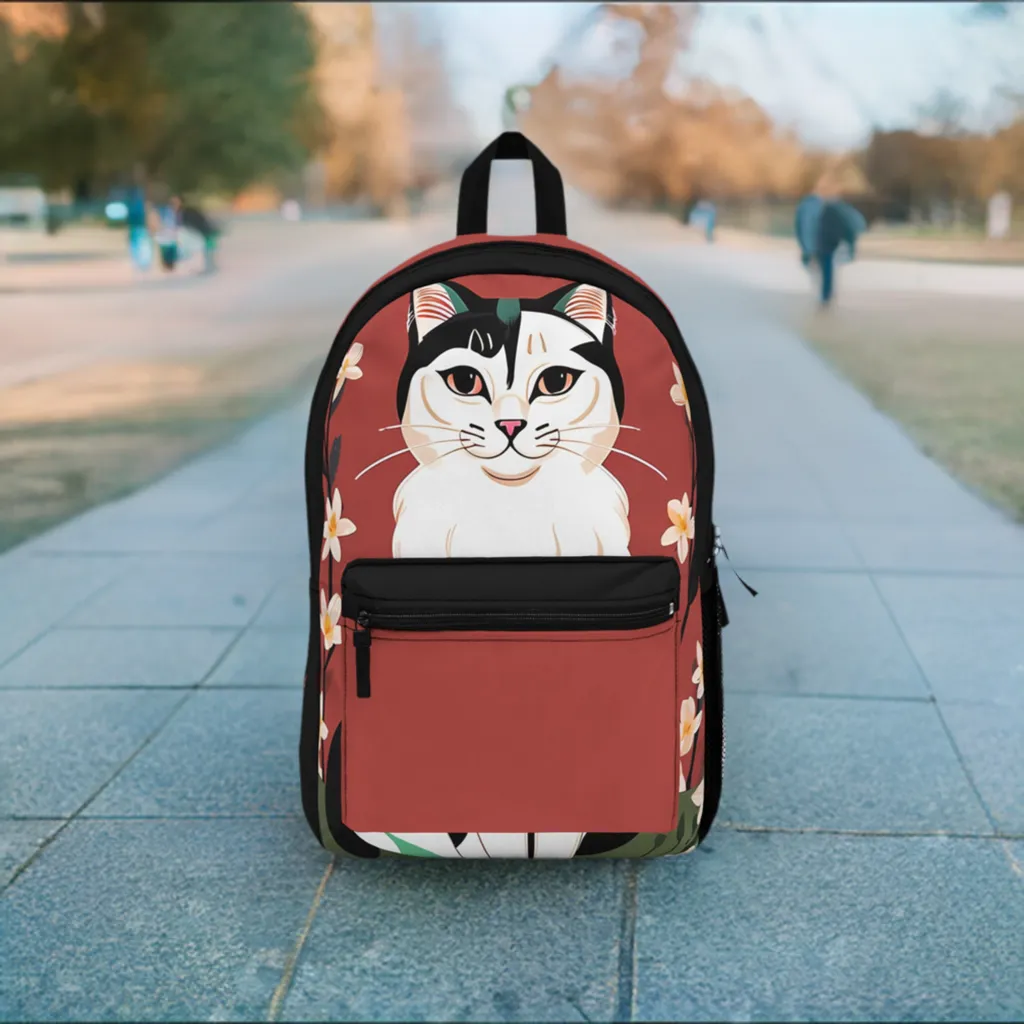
[393, 125]
[944, 114]
[345, 78]
[204, 95]
[651, 134]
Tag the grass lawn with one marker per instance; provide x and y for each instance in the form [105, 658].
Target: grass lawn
[71, 441]
[949, 368]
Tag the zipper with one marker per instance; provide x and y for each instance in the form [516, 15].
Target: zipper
[718, 548]
[362, 638]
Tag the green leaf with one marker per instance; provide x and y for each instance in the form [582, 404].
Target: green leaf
[410, 849]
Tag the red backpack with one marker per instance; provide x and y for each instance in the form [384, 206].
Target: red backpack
[516, 621]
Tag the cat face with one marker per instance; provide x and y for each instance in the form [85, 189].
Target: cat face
[510, 386]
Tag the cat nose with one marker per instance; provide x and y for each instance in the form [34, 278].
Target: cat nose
[511, 427]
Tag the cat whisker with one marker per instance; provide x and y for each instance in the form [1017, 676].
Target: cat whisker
[598, 426]
[571, 452]
[402, 451]
[618, 451]
[422, 426]
[586, 426]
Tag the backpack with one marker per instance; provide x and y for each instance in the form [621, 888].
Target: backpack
[515, 613]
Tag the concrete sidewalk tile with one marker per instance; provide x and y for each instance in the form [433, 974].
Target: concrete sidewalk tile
[255, 529]
[185, 590]
[157, 920]
[19, 840]
[748, 492]
[816, 928]
[224, 752]
[966, 633]
[481, 941]
[813, 633]
[37, 592]
[901, 547]
[101, 535]
[57, 749]
[990, 739]
[264, 657]
[760, 543]
[117, 657]
[286, 488]
[872, 765]
[288, 606]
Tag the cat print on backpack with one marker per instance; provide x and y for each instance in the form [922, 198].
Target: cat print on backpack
[510, 407]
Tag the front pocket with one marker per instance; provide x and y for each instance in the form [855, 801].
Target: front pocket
[510, 695]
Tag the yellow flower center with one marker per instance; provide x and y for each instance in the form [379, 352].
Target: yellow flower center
[327, 626]
[332, 525]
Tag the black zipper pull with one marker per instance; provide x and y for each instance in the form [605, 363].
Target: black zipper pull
[719, 546]
[361, 638]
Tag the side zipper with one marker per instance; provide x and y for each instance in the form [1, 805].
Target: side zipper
[719, 547]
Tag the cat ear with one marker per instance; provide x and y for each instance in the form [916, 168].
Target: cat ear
[588, 306]
[432, 305]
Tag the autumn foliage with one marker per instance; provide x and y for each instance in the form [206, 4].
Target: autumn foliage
[654, 136]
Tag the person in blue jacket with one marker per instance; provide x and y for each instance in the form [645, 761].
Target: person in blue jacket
[705, 212]
[139, 243]
[822, 225]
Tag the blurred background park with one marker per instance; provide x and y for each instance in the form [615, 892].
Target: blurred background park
[325, 141]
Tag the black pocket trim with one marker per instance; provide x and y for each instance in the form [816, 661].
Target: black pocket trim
[563, 593]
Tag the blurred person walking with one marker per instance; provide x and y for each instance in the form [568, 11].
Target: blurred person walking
[140, 245]
[823, 223]
[167, 234]
[194, 218]
[704, 212]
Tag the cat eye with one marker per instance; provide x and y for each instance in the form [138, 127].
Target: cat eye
[466, 381]
[555, 380]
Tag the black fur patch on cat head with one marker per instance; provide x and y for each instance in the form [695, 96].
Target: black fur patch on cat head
[483, 330]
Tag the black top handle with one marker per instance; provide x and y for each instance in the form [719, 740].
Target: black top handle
[547, 186]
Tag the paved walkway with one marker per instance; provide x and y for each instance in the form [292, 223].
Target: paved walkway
[867, 863]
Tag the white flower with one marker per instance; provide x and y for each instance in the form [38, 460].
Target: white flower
[697, 796]
[349, 370]
[698, 672]
[320, 741]
[681, 531]
[689, 723]
[335, 528]
[678, 391]
[330, 616]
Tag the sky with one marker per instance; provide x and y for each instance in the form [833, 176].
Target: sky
[828, 70]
